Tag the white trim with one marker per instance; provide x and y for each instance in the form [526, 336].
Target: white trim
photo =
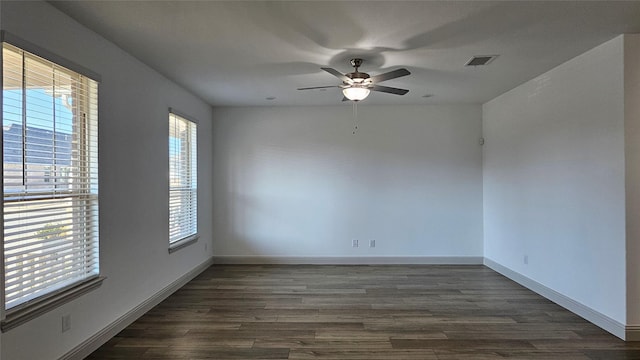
[94, 342]
[183, 115]
[597, 318]
[30, 311]
[47, 55]
[182, 243]
[350, 260]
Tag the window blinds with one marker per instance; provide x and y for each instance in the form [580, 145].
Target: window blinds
[50, 177]
[183, 179]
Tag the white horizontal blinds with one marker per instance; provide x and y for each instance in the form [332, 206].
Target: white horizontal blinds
[183, 178]
[50, 169]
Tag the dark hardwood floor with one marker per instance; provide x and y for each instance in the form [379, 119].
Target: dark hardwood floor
[360, 312]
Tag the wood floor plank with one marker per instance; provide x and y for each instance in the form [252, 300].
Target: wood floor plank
[362, 355]
[427, 312]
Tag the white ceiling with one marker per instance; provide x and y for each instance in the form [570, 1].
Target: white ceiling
[238, 53]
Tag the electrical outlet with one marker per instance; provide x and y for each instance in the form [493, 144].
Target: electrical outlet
[206, 246]
[354, 242]
[526, 259]
[372, 243]
[66, 323]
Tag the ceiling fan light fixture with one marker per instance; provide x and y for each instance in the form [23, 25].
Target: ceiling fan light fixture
[356, 93]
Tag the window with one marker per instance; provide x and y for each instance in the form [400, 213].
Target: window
[183, 181]
[50, 181]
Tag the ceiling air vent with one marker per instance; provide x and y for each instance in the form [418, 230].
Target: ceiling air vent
[480, 60]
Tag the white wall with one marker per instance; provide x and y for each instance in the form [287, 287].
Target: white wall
[554, 180]
[133, 165]
[632, 156]
[295, 182]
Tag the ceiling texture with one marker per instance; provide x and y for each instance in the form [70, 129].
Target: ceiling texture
[244, 53]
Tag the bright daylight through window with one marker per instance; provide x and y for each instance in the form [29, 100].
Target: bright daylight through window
[50, 180]
[183, 181]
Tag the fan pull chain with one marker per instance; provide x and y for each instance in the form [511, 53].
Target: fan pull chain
[355, 117]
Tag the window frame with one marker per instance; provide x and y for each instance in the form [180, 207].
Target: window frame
[190, 238]
[28, 310]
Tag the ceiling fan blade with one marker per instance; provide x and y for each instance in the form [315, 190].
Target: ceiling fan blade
[390, 90]
[390, 75]
[318, 87]
[338, 74]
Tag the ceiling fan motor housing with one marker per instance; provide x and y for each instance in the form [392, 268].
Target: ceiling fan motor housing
[358, 77]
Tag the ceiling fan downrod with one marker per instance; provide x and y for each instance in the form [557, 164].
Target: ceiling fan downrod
[356, 63]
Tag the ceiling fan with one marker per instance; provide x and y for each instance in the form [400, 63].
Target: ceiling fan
[357, 85]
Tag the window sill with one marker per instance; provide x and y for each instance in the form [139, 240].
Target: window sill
[173, 247]
[32, 311]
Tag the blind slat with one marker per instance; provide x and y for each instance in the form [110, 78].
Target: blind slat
[44, 271]
[50, 187]
[183, 189]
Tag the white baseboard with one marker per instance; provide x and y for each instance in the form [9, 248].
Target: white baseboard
[632, 333]
[351, 260]
[614, 327]
[88, 346]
